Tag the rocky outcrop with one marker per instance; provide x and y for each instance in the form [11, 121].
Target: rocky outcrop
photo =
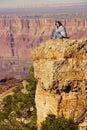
[61, 71]
[18, 36]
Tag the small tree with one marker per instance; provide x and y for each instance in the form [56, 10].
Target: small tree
[61, 123]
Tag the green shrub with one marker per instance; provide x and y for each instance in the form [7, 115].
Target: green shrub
[61, 123]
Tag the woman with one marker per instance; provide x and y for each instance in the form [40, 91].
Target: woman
[60, 31]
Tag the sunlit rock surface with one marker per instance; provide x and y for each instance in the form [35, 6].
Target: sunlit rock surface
[61, 71]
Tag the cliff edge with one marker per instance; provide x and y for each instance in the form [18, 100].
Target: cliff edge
[61, 71]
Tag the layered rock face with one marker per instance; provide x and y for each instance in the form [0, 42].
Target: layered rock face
[18, 36]
[61, 71]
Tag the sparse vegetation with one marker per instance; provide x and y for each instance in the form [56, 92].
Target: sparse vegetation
[18, 111]
[61, 123]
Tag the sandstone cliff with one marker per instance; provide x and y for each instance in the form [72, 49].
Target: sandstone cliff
[61, 71]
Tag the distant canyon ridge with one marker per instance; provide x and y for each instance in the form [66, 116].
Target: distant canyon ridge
[18, 36]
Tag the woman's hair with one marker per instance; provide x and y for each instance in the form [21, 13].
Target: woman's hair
[58, 23]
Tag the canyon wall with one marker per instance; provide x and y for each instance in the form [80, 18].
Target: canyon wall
[60, 68]
[18, 36]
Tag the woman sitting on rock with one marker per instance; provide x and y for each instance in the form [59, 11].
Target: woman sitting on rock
[60, 31]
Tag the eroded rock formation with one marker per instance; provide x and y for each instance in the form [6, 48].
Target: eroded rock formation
[61, 71]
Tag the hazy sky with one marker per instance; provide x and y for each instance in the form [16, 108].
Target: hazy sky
[26, 3]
